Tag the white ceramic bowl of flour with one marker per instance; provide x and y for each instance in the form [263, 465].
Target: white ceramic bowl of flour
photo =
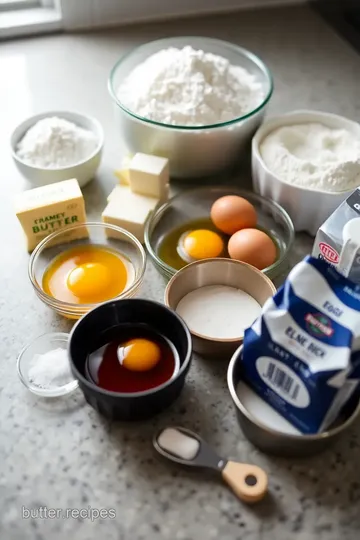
[309, 198]
[199, 110]
[46, 165]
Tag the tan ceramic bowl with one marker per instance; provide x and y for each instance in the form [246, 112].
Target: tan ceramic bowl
[218, 272]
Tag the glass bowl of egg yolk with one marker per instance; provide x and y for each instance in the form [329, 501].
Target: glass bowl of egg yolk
[80, 267]
[182, 230]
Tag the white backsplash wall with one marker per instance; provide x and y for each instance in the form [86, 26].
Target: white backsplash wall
[97, 13]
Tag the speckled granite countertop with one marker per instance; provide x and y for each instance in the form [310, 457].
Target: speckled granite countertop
[61, 454]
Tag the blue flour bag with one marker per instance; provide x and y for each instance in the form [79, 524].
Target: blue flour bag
[297, 355]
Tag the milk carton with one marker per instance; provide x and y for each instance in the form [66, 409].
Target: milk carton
[329, 239]
[300, 355]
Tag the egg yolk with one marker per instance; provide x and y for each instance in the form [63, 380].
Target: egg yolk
[87, 274]
[202, 244]
[139, 354]
[88, 278]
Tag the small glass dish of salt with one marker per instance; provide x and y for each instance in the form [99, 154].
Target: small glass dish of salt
[43, 366]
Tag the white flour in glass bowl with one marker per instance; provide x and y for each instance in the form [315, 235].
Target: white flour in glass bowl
[189, 87]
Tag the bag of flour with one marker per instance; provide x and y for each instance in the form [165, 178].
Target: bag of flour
[297, 355]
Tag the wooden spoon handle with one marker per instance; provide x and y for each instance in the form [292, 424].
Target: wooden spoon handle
[248, 482]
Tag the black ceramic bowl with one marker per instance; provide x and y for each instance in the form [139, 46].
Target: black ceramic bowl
[86, 337]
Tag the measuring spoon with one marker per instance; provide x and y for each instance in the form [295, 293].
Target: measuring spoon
[248, 482]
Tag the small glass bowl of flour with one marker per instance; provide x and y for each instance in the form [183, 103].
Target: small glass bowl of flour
[43, 366]
[55, 146]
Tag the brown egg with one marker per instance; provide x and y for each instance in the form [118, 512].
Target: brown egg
[232, 213]
[253, 247]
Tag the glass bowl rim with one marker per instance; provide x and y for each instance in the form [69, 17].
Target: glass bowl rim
[69, 307]
[154, 218]
[241, 51]
[63, 390]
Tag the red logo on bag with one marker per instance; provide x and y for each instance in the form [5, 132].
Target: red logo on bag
[318, 325]
[329, 253]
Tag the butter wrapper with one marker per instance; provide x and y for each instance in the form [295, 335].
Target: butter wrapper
[54, 207]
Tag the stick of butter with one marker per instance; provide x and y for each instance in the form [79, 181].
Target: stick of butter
[149, 175]
[123, 173]
[44, 210]
[129, 211]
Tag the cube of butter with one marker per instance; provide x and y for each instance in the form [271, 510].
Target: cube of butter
[116, 192]
[44, 210]
[123, 176]
[165, 197]
[123, 173]
[149, 175]
[128, 210]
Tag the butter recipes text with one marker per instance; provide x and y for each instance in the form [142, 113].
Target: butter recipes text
[44, 512]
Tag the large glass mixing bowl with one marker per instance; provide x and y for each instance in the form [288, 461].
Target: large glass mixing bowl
[193, 151]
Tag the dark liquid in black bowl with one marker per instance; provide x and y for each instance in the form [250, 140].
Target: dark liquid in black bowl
[104, 369]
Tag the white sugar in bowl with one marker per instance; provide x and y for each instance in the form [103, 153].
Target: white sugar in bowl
[83, 170]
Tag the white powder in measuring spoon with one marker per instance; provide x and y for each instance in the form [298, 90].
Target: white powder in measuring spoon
[178, 443]
[54, 142]
[218, 311]
[190, 87]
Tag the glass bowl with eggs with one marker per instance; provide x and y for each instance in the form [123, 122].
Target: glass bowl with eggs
[211, 222]
[76, 269]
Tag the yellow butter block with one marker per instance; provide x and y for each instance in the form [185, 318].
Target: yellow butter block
[123, 176]
[44, 210]
[149, 175]
[116, 192]
[123, 173]
[129, 211]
